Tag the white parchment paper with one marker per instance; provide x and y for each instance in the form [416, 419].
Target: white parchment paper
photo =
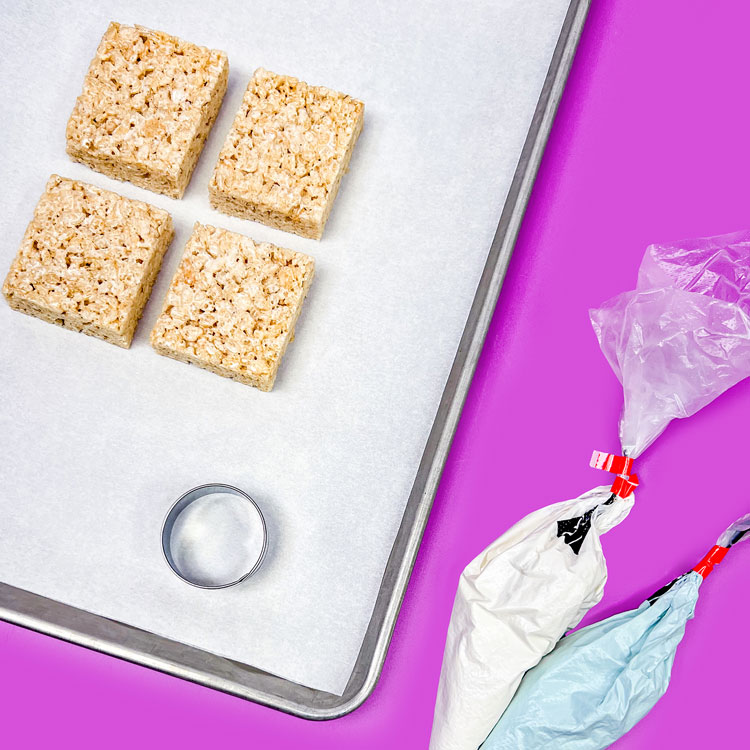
[98, 441]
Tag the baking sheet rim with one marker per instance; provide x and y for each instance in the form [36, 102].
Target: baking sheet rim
[118, 639]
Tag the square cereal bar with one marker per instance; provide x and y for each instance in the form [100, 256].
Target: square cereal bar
[148, 102]
[232, 305]
[284, 157]
[88, 260]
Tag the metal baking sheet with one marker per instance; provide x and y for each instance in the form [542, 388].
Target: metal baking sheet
[459, 105]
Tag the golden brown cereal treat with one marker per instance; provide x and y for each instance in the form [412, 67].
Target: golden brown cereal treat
[284, 157]
[232, 305]
[88, 260]
[148, 102]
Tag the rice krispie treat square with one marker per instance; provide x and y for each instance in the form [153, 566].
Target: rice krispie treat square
[148, 102]
[232, 305]
[284, 157]
[88, 260]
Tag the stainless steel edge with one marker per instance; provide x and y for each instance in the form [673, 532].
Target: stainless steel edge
[412, 528]
[126, 642]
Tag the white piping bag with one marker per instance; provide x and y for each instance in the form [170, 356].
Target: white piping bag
[599, 682]
[675, 343]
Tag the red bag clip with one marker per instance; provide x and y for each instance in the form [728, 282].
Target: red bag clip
[714, 557]
[624, 485]
[625, 482]
[611, 463]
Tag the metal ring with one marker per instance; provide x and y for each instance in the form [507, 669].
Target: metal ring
[186, 500]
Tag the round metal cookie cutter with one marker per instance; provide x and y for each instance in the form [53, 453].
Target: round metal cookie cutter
[214, 536]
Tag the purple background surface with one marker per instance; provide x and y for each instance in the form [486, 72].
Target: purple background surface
[650, 144]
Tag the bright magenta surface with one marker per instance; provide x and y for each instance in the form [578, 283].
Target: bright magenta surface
[651, 143]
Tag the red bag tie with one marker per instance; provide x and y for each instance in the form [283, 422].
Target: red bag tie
[714, 557]
[625, 482]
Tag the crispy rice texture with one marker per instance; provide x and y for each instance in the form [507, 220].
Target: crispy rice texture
[148, 102]
[284, 157]
[88, 260]
[232, 305]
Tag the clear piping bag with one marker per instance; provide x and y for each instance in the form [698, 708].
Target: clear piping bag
[676, 342]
